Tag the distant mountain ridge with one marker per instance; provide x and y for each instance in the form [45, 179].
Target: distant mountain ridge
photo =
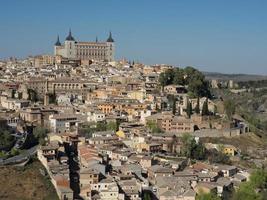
[235, 77]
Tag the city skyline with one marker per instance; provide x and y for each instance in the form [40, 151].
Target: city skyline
[227, 37]
[133, 100]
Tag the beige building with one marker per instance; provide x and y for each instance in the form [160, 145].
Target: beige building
[38, 115]
[44, 60]
[100, 51]
[60, 85]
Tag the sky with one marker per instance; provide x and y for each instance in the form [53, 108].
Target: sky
[228, 36]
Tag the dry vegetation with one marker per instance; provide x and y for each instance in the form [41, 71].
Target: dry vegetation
[25, 183]
[242, 142]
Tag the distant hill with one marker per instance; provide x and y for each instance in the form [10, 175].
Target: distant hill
[235, 77]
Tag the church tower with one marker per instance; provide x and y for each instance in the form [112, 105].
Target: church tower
[111, 48]
[57, 46]
[70, 46]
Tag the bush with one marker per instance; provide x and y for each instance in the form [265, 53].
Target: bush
[207, 196]
[6, 139]
[255, 188]
[153, 127]
[191, 149]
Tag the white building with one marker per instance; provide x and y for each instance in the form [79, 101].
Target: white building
[108, 190]
[95, 116]
[61, 123]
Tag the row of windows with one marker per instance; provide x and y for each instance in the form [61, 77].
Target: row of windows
[66, 84]
[67, 119]
[91, 54]
[91, 47]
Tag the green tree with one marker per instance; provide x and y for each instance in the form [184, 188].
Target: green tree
[188, 72]
[6, 139]
[101, 126]
[152, 125]
[13, 92]
[248, 190]
[178, 78]
[112, 126]
[87, 130]
[197, 85]
[197, 108]
[147, 196]
[187, 140]
[172, 103]
[205, 108]
[3, 155]
[229, 108]
[166, 78]
[258, 179]
[174, 106]
[189, 109]
[14, 152]
[32, 95]
[40, 133]
[52, 98]
[191, 149]
[197, 150]
[20, 95]
[207, 196]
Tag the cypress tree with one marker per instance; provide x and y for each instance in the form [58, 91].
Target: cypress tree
[13, 93]
[174, 106]
[205, 108]
[189, 109]
[197, 109]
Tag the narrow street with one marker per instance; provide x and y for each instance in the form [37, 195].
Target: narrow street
[74, 171]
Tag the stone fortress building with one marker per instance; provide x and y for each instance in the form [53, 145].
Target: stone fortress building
[71, 49]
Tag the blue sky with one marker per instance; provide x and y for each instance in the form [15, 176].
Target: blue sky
[213, 35]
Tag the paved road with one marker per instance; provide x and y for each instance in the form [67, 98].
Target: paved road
[20, 158]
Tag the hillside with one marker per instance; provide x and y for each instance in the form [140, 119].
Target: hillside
[244, 142]
[25, 183]
[235, 77]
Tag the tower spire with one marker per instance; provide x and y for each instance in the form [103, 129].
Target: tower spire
[96, 39]
[69, 37]
[110, 39]
[58, 41]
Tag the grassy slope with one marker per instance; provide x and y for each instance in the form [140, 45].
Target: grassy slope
[243, 142]
[244, 106]
[25, 183]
